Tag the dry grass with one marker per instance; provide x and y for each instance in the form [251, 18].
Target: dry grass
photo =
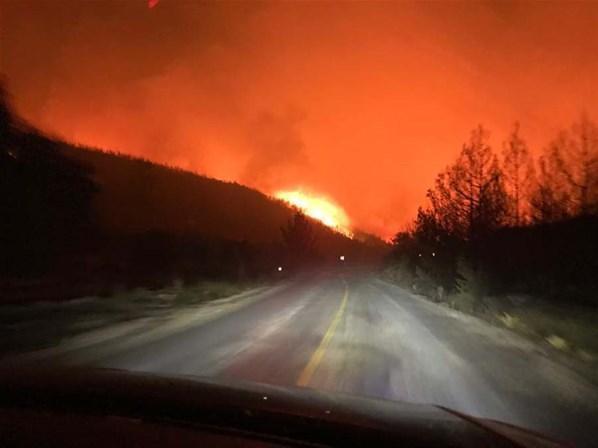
[565, 328]
[44, 324]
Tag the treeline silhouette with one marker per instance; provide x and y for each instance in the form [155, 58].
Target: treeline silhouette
[78, 221]
[497, 224]
[45, 198]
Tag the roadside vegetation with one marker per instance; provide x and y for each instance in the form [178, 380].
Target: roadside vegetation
[513, 240]
[35, 326]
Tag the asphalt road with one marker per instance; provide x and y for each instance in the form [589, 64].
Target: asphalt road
[354, 333]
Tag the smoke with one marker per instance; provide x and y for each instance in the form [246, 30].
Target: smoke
[364, 102]
[277, 149]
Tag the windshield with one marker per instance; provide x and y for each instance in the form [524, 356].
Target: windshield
[396, 200]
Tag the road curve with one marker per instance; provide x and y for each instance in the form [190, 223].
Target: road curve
[357, 334]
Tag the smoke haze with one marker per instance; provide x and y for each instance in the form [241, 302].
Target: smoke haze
[363, 102]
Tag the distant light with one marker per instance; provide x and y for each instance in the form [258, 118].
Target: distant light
[279, 268]
[264, 397]
[341, 258]
[433, 254]
[419, 255]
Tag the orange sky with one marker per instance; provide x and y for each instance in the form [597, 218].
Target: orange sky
[363, 102]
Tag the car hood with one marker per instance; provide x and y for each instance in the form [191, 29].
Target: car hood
[264, 411]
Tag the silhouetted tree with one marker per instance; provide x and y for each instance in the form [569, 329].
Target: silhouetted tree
[299, 238]
[467, 241]
[45, 197]
[8, 129]
[576, 155]
[549, 199]
[6, 118]
[469, 198]
[467, 203]
[518, 170]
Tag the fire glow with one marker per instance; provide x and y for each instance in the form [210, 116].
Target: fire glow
[319, 208]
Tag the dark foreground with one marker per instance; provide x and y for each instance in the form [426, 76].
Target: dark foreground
[356, 334]
[102, 407]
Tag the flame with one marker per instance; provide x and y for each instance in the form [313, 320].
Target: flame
[319, 208]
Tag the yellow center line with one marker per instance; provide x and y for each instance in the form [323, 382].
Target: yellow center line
[314, 362]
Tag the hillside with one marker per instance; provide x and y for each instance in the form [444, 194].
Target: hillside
[138, 196]
[80, 221]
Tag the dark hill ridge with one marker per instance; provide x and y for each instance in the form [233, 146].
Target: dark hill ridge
[78, 221]
[138, 196]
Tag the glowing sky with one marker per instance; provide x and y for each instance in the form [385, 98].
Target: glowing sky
[362, 102]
